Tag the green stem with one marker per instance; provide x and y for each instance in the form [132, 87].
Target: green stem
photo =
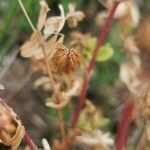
[26, 15]
[8, 21]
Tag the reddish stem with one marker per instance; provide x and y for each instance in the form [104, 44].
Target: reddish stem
[124, 123]
[100, 41]
[29, 141]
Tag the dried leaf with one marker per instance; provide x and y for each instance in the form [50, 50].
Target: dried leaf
[51, 103]
[32, 48]
[44, 82]
[11, 129]
[73, 17]
[101, 18]
[43, 14]
[40, 81]
[75, 89]
[128, 14]
[54, 25]
[2, 87]
[130, 76]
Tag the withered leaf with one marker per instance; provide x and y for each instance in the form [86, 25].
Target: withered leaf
[43, 14]
[54, 25]
[73, 17]
[32, 48]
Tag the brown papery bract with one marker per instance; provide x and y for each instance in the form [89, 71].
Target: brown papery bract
[66, 59]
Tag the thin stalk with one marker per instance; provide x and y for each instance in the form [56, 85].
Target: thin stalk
[142, 142]
[26, 137]
[26, 15]
[142, 138]
[9, 19]
[59, 112]
[100, 41]
[29, 141]
[60, 116]
[124, 124]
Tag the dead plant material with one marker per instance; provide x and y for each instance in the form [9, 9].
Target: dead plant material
[66, 59]
[11, 129]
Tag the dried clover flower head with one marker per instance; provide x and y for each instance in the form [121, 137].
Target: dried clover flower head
[66, 59]
[11, 129]
[73, 17]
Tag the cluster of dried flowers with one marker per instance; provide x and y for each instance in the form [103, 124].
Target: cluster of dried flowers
[62, 73]
[61, 66]
[50, 56]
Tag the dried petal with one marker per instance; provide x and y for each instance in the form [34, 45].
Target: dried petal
[40, 81]
[101, 18]
[128, 14]
[2, 87]
[51, 103]
[43, 14]
[67, 59]
[54, 24]
[75, 89]
[73, 17]
[32, 48]
[130, 76]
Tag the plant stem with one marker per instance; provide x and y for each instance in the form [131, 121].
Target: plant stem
[29, 141]
[26, 15]
[100, 41]
[124, 123]
[142, 142]
[60, 116]
[56, 93]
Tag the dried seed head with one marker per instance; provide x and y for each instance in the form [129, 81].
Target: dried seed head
[67, 59]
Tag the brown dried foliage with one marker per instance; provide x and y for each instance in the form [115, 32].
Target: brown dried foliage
[11, 129]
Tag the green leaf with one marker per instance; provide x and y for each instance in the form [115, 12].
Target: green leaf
[104, 122]
[105, 53]
[91, 43]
